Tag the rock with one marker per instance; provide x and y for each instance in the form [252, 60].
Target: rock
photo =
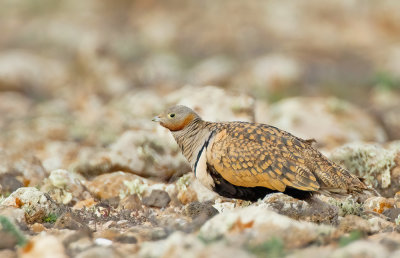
[84, 204]
[215, 70]
[17, 215]
[45, 246]
[12, 105]
[391, 240]
[157, 198]
[64, 186]
[103, 242]
[70, 221]
[352, 223]
[105, 232]
[268, 75]
[13, 235]
[99, 251]
[59, 153]
[186, 196]
[8, 240]
[142, 152]
[182, 245]
[378, 204]
[380, 167]
[9, 183]
[37, 228]
[231, 106]
[379, 225]
[30, 73]
[144, 233]
[112, 202]
[394, 254]
[148, 154]
[131, 202]
[361, 248]
[77, 241]
[311, 252]
[143, 104]
[262, 223]
[330, 121]
[8, 253]
[385, 104]
[203, 209]
[397, 199]
[393, 214]
[79, 245]
[160, 69]
[36, 204]
[117, 184]
[25, 166]
[126, 239]
[190, 189]
[314, 210]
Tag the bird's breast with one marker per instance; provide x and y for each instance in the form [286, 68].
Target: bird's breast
[200, 170]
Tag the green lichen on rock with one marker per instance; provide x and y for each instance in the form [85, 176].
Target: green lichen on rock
[133, 187]
[397, 220]
[348, 206]
[337, 106]
[369, 161]
[184, 181]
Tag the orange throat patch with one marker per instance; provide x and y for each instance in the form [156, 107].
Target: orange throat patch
[180, 126]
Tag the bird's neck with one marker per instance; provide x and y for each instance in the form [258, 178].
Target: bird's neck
[191, 139]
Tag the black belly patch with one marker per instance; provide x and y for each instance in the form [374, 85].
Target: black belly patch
[226, 189]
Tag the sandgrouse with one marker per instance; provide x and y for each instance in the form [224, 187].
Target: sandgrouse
[249, 160]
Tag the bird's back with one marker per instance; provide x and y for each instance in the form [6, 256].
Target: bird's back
[251, 155]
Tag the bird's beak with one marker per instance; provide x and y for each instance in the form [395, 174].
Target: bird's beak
[156, 119]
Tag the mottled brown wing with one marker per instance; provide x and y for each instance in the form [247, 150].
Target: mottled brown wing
[253, 155]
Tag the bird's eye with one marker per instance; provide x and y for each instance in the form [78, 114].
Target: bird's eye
[171, 115]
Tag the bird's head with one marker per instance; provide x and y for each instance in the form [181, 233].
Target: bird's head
[176, 118]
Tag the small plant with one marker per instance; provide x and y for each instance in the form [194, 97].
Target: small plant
[353, 236]
[51, 218]
[274, 248]
[397, 220]
[386, 81]
[8, 226]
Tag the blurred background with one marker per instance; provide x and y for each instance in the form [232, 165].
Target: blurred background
[75, 75]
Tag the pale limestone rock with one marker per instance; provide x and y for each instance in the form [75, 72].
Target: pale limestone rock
[44, 246]
[144, 153]
[117, 184]
[23, 70]
[361, 248]
[181, 245]
[65, 186]
[26, 166]
[214, 104]
[261, 223]
[211, 71]
[32, 201]
[330, 121]
[378, 165]
[268, 74]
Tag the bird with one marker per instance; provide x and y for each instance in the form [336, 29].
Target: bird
[245, 160]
